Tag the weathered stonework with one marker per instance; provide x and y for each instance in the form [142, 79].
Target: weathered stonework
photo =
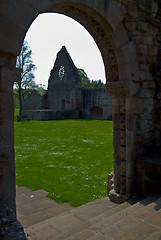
[10, 228]
[128, 34]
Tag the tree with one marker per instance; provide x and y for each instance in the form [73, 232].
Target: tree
[97, 84]
[86, 82]
[40, 88]
[26, 84]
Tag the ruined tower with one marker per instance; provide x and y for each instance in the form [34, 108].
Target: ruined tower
[63, 84]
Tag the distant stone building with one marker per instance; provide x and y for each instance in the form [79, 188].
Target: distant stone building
[65, 98]
[32, 101]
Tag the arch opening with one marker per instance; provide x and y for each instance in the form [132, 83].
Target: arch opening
[96, 112]
[99, 28]
[64, 102]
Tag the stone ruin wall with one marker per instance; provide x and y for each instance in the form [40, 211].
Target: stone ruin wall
[67, 93]
[96, 97]
[142, 21]
[32, 101]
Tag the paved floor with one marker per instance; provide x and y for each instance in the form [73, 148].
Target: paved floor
[44, 219]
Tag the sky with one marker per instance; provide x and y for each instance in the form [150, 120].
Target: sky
[46, 36]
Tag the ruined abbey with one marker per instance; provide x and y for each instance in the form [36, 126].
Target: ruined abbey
[65, 98]
[128, 35]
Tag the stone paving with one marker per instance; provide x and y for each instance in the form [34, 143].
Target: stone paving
[44, 219]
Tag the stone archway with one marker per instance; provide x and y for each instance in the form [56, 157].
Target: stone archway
[96, 112]
[104, 21]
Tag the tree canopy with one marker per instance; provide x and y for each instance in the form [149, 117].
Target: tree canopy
[26, 84]
[86, 82]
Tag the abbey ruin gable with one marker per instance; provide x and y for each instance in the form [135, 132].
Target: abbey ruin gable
[66, 99]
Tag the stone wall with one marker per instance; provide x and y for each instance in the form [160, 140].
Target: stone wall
[32, 101]
[142, 21]
[50, 114]
[96, 97]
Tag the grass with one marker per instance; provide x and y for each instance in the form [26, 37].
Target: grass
[16, 113]
[70, 159]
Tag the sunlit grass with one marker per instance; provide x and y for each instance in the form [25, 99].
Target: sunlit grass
[70, 159]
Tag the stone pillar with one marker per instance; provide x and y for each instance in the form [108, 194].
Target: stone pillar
[118, 91]
[132, 109]
[7, 165]
[123, 143]
[116, 142]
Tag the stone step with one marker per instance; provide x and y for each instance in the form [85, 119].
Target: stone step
[128, 223]
[34, 207]
[154, 236]
[72, 222]
[76, 223]
[97, 220]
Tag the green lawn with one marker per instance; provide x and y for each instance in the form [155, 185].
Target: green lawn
[70, 159]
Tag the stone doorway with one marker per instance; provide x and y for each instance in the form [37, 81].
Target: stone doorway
[96, 112]
[104, 21]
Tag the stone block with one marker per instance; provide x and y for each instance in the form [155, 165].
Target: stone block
[127, 53]
[122, 122]
[130, 75]
[142, 49]
[130, 26]
[40, 6]
[148, 40]
[152, 59]
[122, 150]
[123, 168]
[134, 106]
[147, 93]
[120, 36]
[143, 27]
[146, 116]
[130, 137]
[149, 84]
[20, 13]
[144, 76]
[153, 51]
[149, 7]
[144, 124]
[9, 41]
[122, 138]
[156, 235]
[147, 175]
[159, 96]
[131, 9]
[113, 14]
[142, 59]
[144, 67]
[131, 121]
[148, 109]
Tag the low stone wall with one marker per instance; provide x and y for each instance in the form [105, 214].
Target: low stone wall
[49, 114]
